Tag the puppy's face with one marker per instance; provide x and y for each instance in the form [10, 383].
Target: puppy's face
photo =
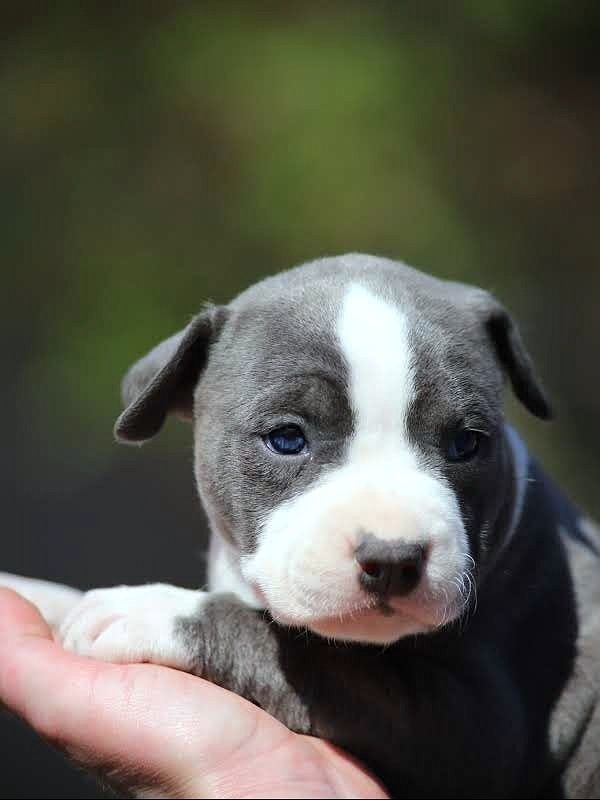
[350, 445]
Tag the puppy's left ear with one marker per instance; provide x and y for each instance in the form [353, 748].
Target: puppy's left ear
[163, 381]
[513, 356]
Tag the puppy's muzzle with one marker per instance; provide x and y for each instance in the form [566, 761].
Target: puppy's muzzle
[390, 568]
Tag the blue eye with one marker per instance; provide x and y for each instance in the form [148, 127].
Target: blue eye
[464, 444]
[287, 441]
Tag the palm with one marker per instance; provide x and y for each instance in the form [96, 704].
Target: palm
[154, 729]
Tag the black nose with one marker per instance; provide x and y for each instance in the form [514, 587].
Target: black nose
[390, 568]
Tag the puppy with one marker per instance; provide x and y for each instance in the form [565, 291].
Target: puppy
[389, 568]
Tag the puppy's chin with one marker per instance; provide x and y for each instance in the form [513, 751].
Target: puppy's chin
[372, 625]
[369, 627]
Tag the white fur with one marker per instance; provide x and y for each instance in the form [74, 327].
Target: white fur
[53, 600]
[224, 572]
[129, 624]
[374, 338]
[304, 563]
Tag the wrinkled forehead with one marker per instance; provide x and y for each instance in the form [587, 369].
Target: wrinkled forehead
[285, 346]
[381, 338]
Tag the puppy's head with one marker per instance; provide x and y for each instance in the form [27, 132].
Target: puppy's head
[350, 443]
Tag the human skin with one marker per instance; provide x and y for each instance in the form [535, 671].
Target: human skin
[156, 732]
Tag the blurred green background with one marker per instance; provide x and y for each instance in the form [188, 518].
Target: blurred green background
[157, 155]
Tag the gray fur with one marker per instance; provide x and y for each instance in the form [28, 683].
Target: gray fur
[163, 381]
[502, 704]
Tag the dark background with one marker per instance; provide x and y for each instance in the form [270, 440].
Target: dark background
[156, 155]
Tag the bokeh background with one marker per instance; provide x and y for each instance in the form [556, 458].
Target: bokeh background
[156, 155]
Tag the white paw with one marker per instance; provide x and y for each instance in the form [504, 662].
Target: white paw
[132, 624]
[53, 600]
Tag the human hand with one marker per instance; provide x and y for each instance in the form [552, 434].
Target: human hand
[154, 732]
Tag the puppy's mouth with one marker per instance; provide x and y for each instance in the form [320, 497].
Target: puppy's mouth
[344, 610]
[379, 610]
[371, 625]
[366, 619]
[376, 622]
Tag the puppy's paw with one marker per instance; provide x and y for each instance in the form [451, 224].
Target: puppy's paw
[132, 624]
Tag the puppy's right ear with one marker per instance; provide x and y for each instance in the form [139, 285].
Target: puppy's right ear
[163, 381]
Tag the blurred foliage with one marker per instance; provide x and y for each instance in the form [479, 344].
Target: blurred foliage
[155, 155]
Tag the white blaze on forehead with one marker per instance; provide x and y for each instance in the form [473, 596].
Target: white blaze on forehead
[374, 339]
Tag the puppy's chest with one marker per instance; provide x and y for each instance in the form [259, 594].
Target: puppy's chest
[409, 716]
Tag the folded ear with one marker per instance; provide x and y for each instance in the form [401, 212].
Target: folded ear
[163, 381]
[513, 356]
